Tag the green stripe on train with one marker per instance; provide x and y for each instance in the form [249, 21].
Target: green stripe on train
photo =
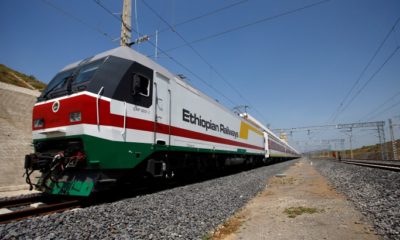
[107, 154]
[72, 188]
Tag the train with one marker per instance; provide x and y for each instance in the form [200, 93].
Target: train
[119, 116]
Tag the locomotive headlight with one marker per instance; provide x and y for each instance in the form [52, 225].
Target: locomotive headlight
[38, 123]
[75, 117]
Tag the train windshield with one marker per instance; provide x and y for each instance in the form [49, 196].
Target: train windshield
[86, 72]
[71, 81]
[58, 82]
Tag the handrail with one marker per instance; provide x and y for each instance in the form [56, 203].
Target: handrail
[124, 130]
[169, 117]
[97, 106]
[155, 113]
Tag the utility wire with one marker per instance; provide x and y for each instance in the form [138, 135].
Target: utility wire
[384, 110]
[339, 110]
[215, 35]
[194, 74]
[200, 56]
[173, 59]
[98, 30]
[98, 2]
[369, 80]
[266, 19]
[380, 106]
[203, 16]
[228, 31]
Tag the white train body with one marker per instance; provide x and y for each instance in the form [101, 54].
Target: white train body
[119, 110]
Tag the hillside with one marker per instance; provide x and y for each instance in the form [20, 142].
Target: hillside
[374, 151]
[10, 76]
[371, 152]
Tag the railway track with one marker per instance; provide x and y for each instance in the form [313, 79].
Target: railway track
[21, 208]
[17, 209]
[386, 165]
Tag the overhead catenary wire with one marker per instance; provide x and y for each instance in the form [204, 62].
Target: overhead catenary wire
[189, 44]
[234, 98]
[246, 25]
[385, 110]
[237, 28]
[195, 75]
[393, 53]
[202, 57]
[375, 110]
[203, 15]
[98, 2]
[77, 19]
[339, 108]
[171, 58]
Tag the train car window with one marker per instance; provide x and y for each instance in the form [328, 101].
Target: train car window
[86, 72]
[140, 85]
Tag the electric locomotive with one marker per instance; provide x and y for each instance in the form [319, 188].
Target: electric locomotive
[118, 116]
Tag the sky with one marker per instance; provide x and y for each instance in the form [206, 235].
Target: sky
[293, 62]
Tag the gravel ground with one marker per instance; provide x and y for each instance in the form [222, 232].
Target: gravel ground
[375, 192]
[187, 212]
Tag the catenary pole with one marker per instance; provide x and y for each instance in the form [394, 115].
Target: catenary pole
[126, 23]
[394, 147]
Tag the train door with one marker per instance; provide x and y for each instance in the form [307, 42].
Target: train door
[266, 145]
[162, 121]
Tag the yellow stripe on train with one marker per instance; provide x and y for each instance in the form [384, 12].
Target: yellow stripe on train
[245, 128]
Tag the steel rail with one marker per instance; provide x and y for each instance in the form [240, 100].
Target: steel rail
[15, 202]
[41, 210]
[385, 166]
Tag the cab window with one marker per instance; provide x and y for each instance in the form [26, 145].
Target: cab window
[87, 71]
[135, 86]
[140, 85]
[58, 82]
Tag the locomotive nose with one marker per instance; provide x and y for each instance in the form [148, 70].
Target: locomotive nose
[54, 117]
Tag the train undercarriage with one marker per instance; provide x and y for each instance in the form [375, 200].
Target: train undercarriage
[64, 169]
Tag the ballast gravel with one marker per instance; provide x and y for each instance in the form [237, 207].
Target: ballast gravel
[187, 212]
[375, 192]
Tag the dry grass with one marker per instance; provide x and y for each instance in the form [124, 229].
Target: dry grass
[293, 212]
[227, 228]
[7, 77]
[282, 180]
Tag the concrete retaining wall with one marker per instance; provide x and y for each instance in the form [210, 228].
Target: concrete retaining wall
[16, 105]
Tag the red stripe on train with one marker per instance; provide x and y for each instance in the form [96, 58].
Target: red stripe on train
[87, 106]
